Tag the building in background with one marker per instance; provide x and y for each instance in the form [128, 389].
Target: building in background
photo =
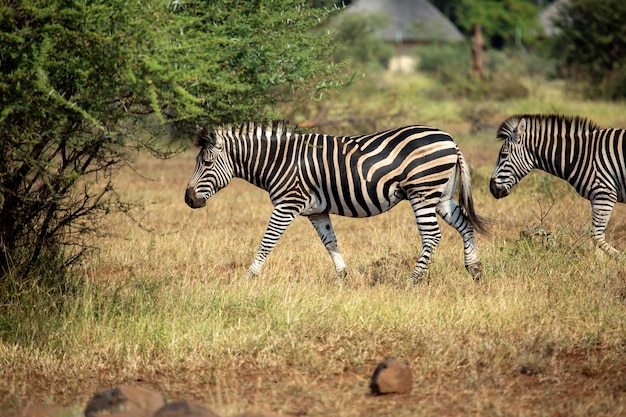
[410, 23]
[549, 15]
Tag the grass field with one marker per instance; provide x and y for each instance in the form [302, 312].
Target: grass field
[169, 309]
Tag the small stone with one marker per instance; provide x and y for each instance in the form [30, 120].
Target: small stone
[185, 409]
[391, 376]
[125, 399]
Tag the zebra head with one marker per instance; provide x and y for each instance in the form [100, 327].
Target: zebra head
[514, 160]
[213, 170]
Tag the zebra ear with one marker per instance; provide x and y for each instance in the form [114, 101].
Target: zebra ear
[217, 141]
[202, 136]
[520, 131]
[205, 138]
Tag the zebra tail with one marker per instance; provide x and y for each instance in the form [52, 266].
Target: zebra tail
[481, 224]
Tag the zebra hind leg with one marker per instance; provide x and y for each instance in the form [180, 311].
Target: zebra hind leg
[452, 214]
[600, 215]
[324, 228]
[430, 235]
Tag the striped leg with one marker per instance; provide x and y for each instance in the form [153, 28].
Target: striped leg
[325, 230]
[600, 214]
[430, 234]
[279, 221]
[452, 214]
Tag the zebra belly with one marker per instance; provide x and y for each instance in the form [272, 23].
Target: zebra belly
[363, 201]
[391, 197]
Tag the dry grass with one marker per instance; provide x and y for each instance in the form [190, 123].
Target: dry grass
[543, 335]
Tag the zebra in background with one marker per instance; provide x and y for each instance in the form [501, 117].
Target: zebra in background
[314, 175]
[591, 159]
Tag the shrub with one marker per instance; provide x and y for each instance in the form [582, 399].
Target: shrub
[359, 42]
[442, 58]
[450, 64]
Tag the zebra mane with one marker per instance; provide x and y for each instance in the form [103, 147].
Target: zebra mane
[277, 128]
[578, 123]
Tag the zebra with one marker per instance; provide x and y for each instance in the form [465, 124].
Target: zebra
[591, 159]
[315, 175]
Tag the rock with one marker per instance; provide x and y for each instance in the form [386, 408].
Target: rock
[125, 400]
[185, 409]
[391, 376]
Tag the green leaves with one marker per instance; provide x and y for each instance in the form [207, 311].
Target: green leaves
[232, 62]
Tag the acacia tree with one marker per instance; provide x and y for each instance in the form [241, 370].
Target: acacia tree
[75, 74]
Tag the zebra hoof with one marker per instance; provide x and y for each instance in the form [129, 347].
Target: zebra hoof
[340, 276]
[476, 271]
[416, 278]
[412, 282]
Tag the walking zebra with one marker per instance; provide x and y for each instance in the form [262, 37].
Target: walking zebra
[315, 175]
[591, 159]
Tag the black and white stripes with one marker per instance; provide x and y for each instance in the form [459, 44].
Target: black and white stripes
[315, 175]
[591, 159]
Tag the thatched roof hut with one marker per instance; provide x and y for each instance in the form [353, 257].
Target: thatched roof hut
[551, 13]
[410, 21]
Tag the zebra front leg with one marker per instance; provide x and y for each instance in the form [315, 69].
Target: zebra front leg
[324, 228]
[430, 235]
[600, 215]
[452, 214]
[280, 219]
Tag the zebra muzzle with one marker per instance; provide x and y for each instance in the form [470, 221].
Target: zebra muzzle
[192, 200]
[497, 192]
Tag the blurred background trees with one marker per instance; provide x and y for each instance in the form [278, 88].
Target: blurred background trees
[585, 43]
[591, 46]
[504, 23]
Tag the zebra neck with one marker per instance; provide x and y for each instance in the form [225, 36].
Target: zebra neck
[561, 155]
[259, 160]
